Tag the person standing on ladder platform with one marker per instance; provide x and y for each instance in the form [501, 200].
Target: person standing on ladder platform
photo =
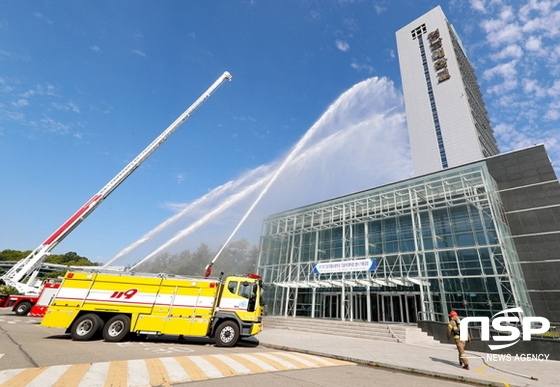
[453, 331]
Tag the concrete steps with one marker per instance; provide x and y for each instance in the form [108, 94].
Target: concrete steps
[409, 334]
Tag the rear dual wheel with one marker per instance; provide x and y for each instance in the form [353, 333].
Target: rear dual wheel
[116, 328]
[86, 326]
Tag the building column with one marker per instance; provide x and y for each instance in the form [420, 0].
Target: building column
[314, 292]
[295, 301]
[368, 301]
[342, 302]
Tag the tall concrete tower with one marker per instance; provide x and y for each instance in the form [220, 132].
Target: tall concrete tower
[448, 124]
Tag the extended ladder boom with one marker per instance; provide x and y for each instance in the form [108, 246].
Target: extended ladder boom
[29, 266]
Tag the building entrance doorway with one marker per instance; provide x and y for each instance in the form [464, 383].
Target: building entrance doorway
[402, 308]
[384, 307]
[353, 308]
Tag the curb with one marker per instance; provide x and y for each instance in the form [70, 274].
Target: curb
[433, 374]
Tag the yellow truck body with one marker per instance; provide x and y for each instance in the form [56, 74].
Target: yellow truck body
[116, 304]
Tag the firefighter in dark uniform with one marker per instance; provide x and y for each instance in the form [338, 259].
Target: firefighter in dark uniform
[453, 331]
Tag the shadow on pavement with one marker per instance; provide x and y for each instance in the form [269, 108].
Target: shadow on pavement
[444, 361]
[249, 342]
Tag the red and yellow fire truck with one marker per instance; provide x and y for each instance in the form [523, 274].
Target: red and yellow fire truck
[116, 304]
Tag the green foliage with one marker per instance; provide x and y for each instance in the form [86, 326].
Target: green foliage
[13, 255]
[8, 290]
[240, 257]
[54, 274]
[70, 259]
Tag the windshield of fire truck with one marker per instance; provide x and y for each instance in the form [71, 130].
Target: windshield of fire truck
[245, 289]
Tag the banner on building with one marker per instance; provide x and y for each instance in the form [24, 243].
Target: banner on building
[344, 266]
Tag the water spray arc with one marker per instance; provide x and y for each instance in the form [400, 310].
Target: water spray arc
[269, 179]
[287, 161]
[216, 192]
[297, 148]
[219, 209]
[364, 128]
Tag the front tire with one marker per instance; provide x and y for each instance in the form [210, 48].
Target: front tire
[116, 328]
[227, 334]
[23, 308]
[85, 327]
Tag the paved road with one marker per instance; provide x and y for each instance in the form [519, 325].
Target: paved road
[36, 356]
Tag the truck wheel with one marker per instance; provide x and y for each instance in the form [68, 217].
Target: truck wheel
[23, 308]
[227, 334]
[116, 328]
[85, 327]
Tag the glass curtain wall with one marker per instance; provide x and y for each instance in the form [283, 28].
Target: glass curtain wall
[438, 243]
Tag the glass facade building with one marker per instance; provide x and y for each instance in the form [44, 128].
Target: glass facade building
[427, 245]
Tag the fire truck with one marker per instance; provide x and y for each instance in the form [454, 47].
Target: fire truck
[115, 304]
[31, 304]
[23, 275]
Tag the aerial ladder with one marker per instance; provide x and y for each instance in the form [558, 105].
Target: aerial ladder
[28, 268]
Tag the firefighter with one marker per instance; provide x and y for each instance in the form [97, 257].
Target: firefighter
[453, 331]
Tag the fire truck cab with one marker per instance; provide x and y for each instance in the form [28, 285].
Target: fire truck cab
[116, 304]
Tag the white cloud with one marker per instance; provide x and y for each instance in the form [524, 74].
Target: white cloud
[547, 21]
[552, 115]
[507, 33]
[139, 53]
[505, 70]
[66, 107]
[478, 5]
[532, 86]
[39, 90]
[43, 18]
[15, 116]
[243, 118]
[554, 90]
[533, 43]
[20, 103]
[342, 45]
[362, 67]
[379, 10]
[504, 87]
[542, 7]
[508, 72]
[95, 48]
[507, 14]
[510, 51]
[521, 55]
[55, 126]
[351, 24]
[180, 177]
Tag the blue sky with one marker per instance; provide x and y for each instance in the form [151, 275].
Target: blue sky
[85, 86]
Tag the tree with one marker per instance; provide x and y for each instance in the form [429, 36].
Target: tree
[13, 255]
[240, 257]
[70, 259]
[159, 264]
